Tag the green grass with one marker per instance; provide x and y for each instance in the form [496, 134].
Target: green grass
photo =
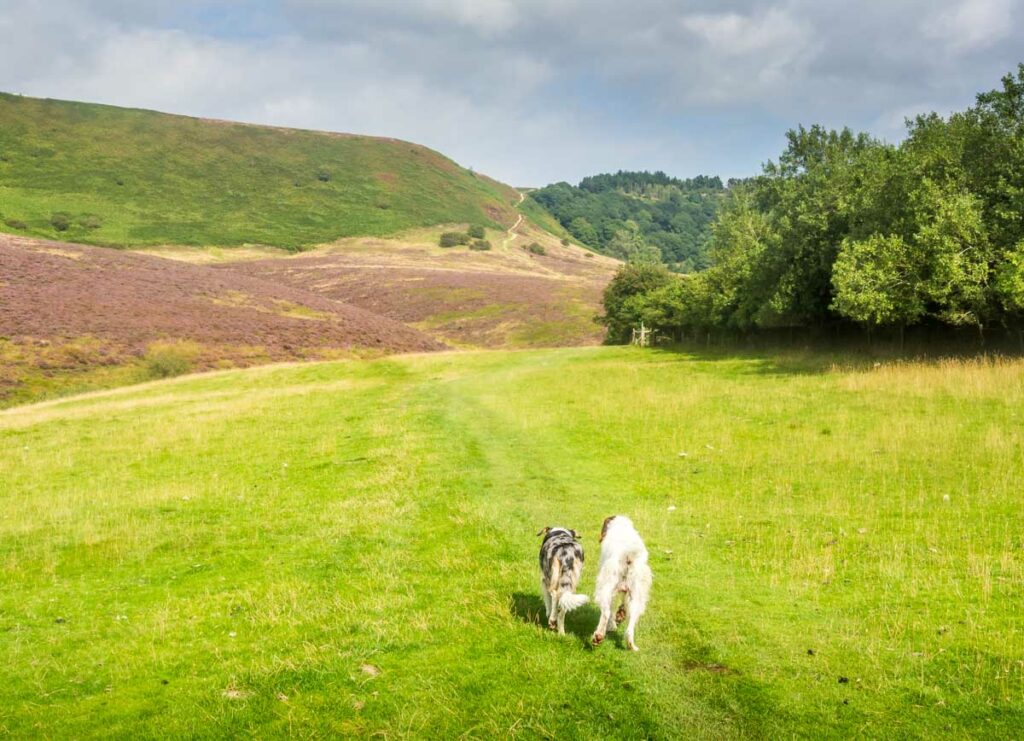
[132, 178]
[348, 549]
[543, 218]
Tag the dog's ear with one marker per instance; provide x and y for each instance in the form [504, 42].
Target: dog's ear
[576, 535]
[604, 527]
[545, 531]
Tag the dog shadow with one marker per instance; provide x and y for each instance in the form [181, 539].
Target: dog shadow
[580, 623]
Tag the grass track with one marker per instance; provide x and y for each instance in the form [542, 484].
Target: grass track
[242, 552]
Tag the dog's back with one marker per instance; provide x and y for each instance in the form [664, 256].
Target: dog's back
[623, 570]
[561, 560]
[561, 563]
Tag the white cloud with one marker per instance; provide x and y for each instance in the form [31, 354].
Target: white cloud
[972, 25]
[732, 34]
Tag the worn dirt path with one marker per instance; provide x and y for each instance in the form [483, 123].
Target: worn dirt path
[512, 229]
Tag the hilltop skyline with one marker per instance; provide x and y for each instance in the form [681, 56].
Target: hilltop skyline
[527, 92]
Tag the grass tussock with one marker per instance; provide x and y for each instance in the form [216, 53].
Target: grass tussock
[171, 358]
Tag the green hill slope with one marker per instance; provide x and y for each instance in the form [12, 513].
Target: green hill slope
[114, 176]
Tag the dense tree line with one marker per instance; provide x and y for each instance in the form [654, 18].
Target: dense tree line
[639, 216]
[847, 229]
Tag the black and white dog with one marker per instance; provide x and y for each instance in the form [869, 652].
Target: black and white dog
[623, 573]
[561, 563]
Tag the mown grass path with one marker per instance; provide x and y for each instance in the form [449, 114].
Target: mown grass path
[349, 548]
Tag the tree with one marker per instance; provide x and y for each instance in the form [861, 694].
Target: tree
[877, 282]
[584, 231]
[632, 280]
[628, 244]
[956, 259]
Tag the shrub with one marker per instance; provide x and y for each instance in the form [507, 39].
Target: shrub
[476, 232]
[16, 223]
[323, 176]
[60, 221]
[480, 244]
[536, 249]
[167, 359]
[91, 221]
[565, 242]
[452, 239]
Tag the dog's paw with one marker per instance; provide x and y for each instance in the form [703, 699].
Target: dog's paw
[620, 614]
[597, 638]
[632, 646]
[552, 624]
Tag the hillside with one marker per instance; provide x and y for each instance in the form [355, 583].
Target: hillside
[102, 175]
[638, 215]
[77, 317]
[505, 297]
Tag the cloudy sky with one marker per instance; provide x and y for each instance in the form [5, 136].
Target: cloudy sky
[529, 91]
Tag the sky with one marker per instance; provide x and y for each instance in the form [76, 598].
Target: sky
[527, 91]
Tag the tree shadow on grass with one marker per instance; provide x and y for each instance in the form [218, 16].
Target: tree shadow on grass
[581, 622]
[812, 353]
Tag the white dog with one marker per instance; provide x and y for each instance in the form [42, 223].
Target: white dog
[623, 572]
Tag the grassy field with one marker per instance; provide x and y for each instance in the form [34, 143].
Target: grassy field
[130, 177]
[348, 549]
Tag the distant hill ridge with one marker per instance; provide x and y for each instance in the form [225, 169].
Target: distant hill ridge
[639, 216]
[104, 175]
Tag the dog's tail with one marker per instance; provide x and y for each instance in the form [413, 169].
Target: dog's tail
[569, 601]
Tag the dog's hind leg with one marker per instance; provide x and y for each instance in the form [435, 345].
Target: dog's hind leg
[602, 623]
[634, 609]
[555, 612]
[619, 616]
[561, 620]
[547, 600]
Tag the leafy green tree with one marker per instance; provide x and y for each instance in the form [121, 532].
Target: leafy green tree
[1010, 283]
[584, 231]
[843, 228]
[877, 282]
[629, 245]
[632, 280]
[955, 249]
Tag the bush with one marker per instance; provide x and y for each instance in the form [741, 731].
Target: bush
[476, 232]
[91, 221]
[566, 242]
[16, 223]
[536, 249]
[323, 176]
[623, 296]
[60, 221]
[453, 239]
[480, 244]
[167, 359]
